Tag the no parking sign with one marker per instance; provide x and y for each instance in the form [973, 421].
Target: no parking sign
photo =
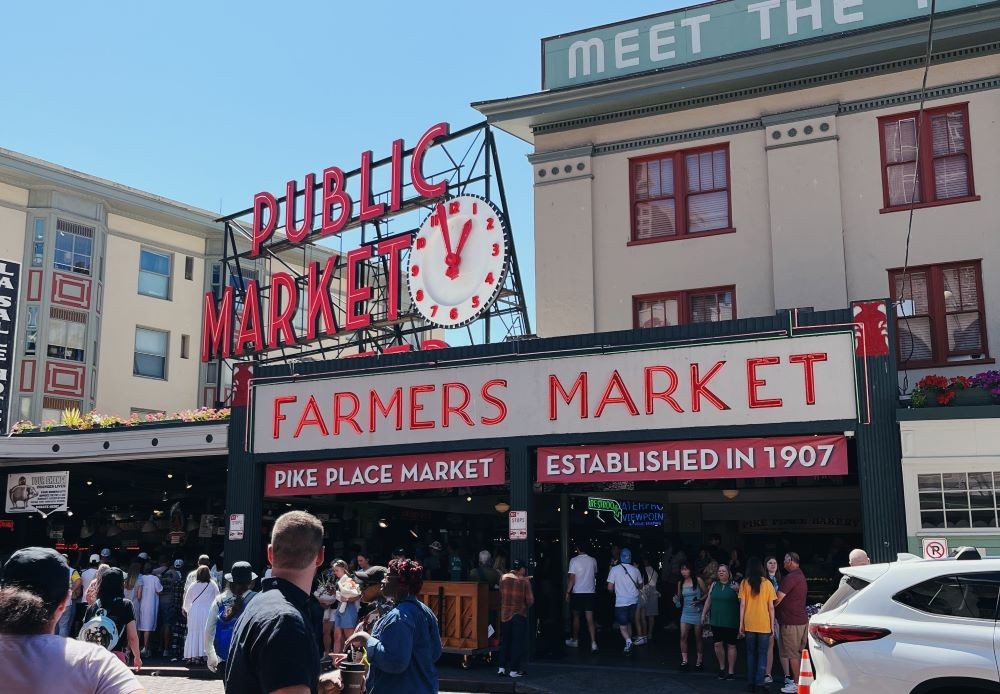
[935, 548]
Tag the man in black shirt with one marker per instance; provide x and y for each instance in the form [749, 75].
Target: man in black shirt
[274, 649]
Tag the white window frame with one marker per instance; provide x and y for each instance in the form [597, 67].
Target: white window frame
[152, 273]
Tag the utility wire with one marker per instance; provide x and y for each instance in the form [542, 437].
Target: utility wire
[907, 280]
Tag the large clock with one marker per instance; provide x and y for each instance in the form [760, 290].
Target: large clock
[458, 261]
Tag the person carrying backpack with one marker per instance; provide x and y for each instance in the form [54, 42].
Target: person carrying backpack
[110, 620]
[224, 612]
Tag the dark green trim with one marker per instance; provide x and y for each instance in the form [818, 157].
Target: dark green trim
[917, 414]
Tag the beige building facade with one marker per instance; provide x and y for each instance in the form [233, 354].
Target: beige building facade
[736, 188]
[113, 281]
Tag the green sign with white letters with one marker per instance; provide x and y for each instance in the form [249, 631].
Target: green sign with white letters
[713, 30]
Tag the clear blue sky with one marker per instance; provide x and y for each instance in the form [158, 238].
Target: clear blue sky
[210, 102]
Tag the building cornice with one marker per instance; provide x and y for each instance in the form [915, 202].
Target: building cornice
[958, 36]
[24, 171]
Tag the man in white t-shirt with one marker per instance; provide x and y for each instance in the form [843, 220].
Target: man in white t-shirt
[581, 584]
[624, 581]
[33, 660]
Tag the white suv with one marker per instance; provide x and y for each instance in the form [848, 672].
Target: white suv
[914, 626]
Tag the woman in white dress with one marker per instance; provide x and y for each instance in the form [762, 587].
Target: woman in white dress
[198, 600]
[149, 604]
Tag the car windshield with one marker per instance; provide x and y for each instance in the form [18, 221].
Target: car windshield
[849, 587]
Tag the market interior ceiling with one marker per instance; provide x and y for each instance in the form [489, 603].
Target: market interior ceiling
[147, 483]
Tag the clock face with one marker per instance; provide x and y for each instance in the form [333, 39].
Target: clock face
[458, 261]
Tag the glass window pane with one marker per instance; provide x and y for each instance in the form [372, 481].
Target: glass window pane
[929, 482]
[653, 172]
[151, 341]
[64, 241]
[934, 519]
[654, 219]
[984, 519]
[154, 262]
[656, 314]
[148, 365]
[964, 334]
[76, 335]
[948, 133]
[951, 177]
[39, 230]
[969, 596]
[931, 501]
[957, 519]
[152, 284]
[57, 332]
[981, 498]
[708, 211]
[904, 184]
[954, 481]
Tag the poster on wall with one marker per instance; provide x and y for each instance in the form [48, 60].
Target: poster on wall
[37, 492]
[10, 283]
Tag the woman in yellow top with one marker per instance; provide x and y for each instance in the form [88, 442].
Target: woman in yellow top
[756, 619]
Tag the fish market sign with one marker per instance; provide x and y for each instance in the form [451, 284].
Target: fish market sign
[715, 29]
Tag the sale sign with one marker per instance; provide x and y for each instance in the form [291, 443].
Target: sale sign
[404, 472]
[794, 456]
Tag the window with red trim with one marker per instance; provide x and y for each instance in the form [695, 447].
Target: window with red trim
[684, 307]
[940, 314]
[940, 140]
[679, 194]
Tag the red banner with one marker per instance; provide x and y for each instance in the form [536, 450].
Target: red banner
[403, 472]
[792, 456]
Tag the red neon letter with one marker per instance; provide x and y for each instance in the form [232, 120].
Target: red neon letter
[699, 388]
[298, 234]
[334, 194]
[416, 407]
[495, 401]
[217, 328]
[262, 230]
[392, 248]
[665, 395]
[623, 397]
[396, 186]
[807, 361]
[278, 416]
[458, 409]
[311, 416]
[579, 385]
[355, 294]
[251, 332]
[279, 324]
[395, 402]
[348, 417]
[368, 210]
[318, 299]
[754, 383]
[420, 184]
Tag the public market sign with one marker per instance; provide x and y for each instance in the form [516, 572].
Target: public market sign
[712, 30]
[458, 260]
[798, 379]
[403, 472]
[695, 460]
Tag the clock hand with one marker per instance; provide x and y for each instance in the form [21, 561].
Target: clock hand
[452, 270]
[443, 219]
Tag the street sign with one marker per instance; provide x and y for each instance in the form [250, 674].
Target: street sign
[236, 526]
[518, 522]
[935, 547]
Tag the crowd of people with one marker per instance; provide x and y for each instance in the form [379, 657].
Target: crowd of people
[62, 629]
[719, 596]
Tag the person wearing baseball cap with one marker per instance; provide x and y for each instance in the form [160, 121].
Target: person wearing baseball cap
[373, 603]
[33, 595]
[225, 610]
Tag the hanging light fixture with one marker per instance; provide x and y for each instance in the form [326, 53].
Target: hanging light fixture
[69, 513]
[383, 523]
[501, 506]
[730, 493]
[187, 482]
[469, 499]
[170, 475]
[413, 533]
[90, 482]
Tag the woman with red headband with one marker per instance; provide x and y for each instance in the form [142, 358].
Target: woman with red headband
[405, 642]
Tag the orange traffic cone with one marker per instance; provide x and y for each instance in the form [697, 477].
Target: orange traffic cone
[805, 673]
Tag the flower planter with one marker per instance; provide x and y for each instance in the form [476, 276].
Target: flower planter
[972, 396]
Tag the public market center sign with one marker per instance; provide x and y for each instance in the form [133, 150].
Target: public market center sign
[764, 381]
[712, 30]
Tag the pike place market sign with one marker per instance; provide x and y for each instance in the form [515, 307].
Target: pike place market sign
[712, 30]
[798, 379]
